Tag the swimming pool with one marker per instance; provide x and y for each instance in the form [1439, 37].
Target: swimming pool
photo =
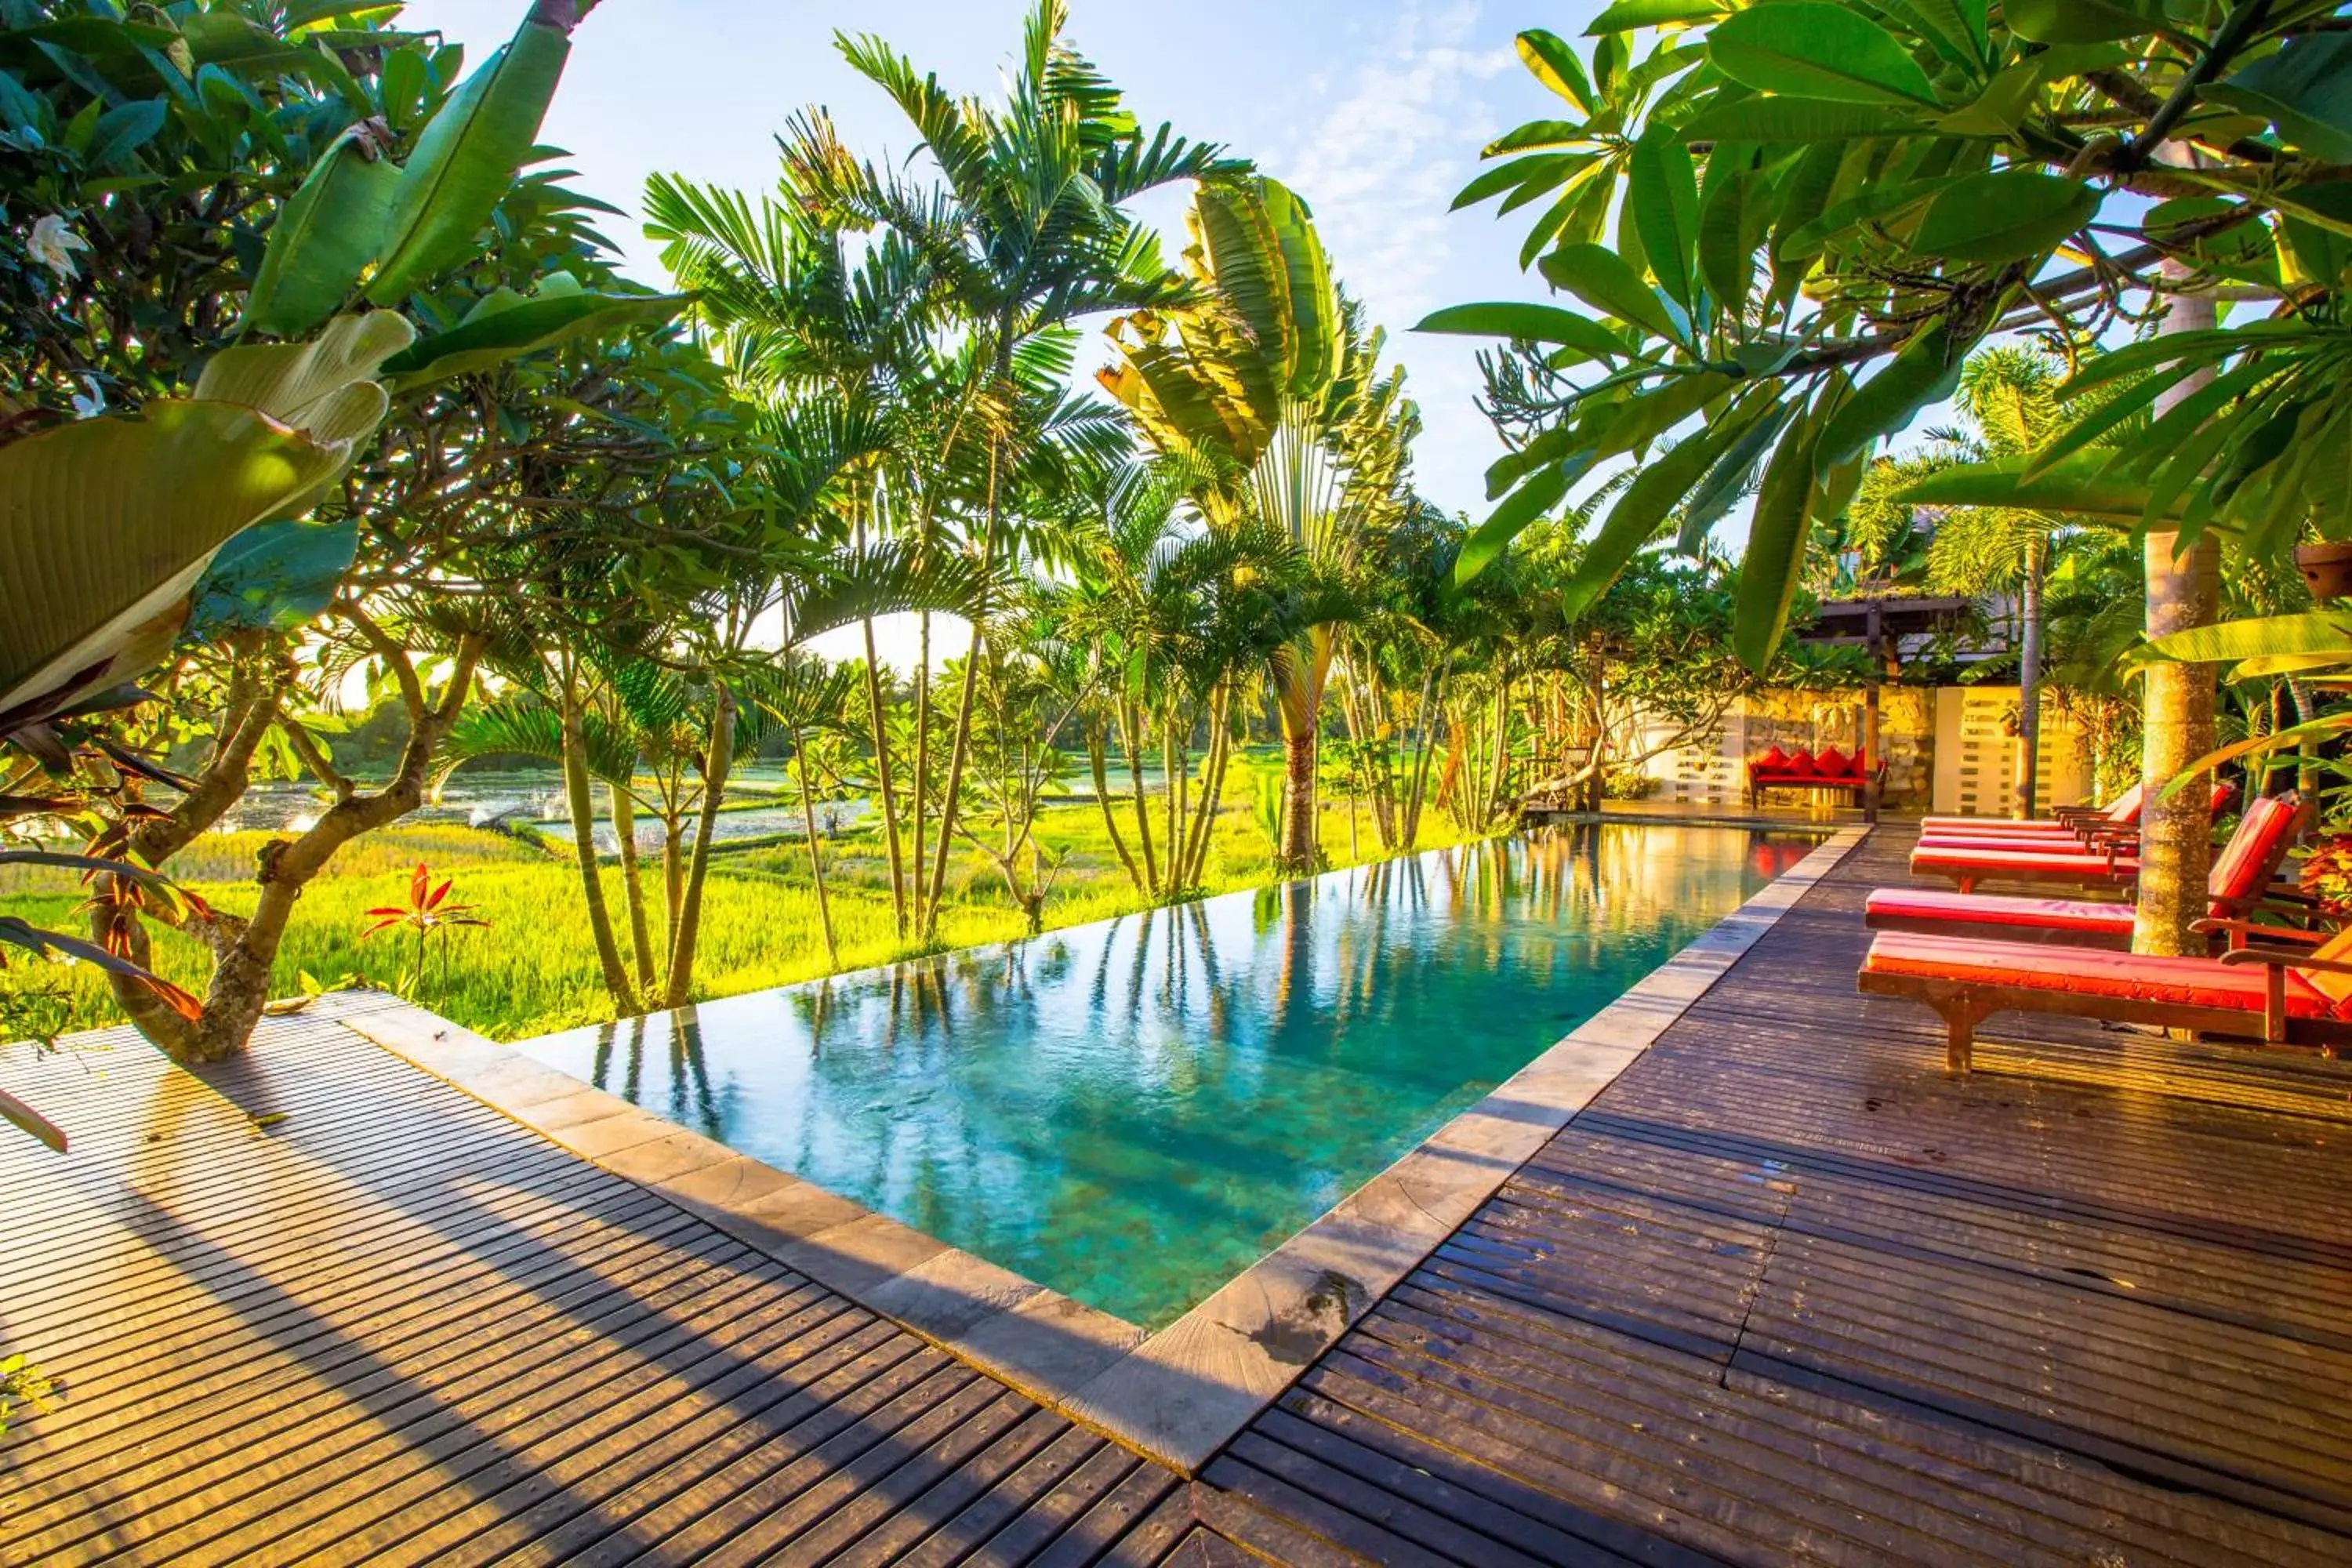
[1131, 1113]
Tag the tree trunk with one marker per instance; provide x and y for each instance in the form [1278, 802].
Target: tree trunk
[633, 888]
[719, 761]
[1191, 863]
[1099, 766]
[888, 800]
[2029, 685]
[245, 951]
[579, 797]
[816, 856]
[1409, 835]
[916, 861]
[1299, 800]
[958, 753]
[672, 856]
[1130, 721]
[2183, 593]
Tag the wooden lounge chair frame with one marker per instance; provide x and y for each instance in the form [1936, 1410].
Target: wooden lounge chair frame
[1965, 1005]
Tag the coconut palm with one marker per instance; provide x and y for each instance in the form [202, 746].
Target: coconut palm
[1027, 232]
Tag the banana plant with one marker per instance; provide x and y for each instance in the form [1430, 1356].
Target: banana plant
[121, 534]
[108, 525]
[2312, 649]
[1268, 390]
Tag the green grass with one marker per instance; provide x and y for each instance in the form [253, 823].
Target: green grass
[534, 969]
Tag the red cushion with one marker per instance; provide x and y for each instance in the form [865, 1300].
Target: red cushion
[1978, 826]
[1800, 763]
[1772, 762]
[2042, 843]
[2125, 811]
[1999, 910]
[1991, 863]
[2088, 971]
[2252, 858]
[1834, 763]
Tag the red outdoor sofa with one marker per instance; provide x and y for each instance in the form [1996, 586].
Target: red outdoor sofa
[1831, 770]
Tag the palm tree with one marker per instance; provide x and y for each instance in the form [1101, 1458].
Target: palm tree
[1027, 233]
[794, 309]
[2009, 396]
[1168, 622]
[1269, 390]
[805, 695]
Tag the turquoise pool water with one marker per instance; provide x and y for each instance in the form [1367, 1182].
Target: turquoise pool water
[1134, 1111]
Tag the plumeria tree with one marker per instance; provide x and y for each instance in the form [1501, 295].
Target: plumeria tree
[320, 360]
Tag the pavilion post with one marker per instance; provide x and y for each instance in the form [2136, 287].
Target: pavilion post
[1872, 638]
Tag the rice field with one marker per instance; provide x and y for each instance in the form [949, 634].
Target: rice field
[533, 970]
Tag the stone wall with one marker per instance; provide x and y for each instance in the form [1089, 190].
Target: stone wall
[1946, 750]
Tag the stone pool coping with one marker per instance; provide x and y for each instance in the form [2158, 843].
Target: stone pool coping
[1178, 1396]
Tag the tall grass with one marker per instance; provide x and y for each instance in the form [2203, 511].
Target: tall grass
[534, 970]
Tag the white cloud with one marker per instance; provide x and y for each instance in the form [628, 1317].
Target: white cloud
[1381, 140]
[1397, 136]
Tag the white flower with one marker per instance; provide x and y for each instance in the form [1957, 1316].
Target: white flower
[53, 245]
[92, 403]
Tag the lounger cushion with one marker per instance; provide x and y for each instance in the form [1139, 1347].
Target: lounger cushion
[1800, 763]
[1772, 761]
[1999, 910]
[1936, 859]
[1946, 827]
[1834, 763]
[2088, 971]
[2247, 863]
[2045, 842]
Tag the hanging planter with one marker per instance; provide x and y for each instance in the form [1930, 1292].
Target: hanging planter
[2327, 568]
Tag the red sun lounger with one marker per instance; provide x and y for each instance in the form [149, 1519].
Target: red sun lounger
[2105, 863]
[2264, 993]
[2071, 821]
[2241, 874]
[2087, 835]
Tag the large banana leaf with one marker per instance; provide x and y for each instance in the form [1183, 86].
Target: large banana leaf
[508, 326]
[324, 239]
[106, 525]
[2319, 633]
[466, 160]
[326, 387]
[273, 578]
[2078, 488]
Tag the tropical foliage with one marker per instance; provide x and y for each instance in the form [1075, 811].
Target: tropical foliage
[1783, 227]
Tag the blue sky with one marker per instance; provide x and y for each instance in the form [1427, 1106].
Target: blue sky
[1375, 113]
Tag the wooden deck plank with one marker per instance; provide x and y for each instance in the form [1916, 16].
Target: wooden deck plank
[1783, 1290]
[400, 1327]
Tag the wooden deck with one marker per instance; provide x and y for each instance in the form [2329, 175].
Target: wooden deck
[1783, 1292]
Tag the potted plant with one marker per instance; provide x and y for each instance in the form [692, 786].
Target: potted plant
[2326, 567]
